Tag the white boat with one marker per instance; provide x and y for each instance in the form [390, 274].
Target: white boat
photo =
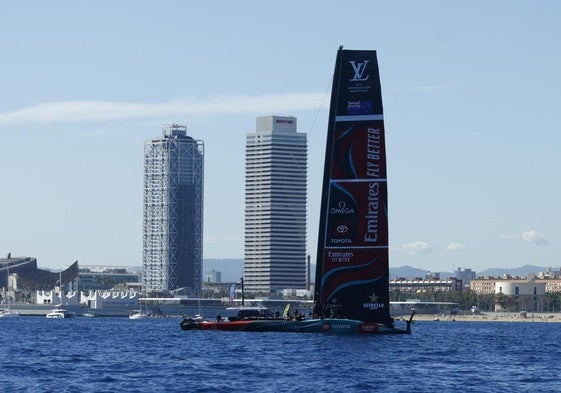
[8, 313]
[138, 314]
[57, 313]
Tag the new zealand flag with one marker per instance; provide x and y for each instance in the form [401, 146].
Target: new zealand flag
[359, 107]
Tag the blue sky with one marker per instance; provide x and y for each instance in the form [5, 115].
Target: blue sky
[471, 94]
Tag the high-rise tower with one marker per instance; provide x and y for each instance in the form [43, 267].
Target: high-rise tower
[173, 212]
[275, 205]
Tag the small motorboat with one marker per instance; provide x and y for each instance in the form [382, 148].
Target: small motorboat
[58, 313]
[138, 314]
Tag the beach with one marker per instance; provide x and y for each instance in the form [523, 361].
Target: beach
[492, 317]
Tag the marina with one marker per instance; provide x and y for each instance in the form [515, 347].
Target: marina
[172, 307]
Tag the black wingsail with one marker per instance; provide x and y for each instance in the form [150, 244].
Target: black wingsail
[352, 259]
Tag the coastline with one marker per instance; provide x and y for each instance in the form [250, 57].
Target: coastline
[492, 317]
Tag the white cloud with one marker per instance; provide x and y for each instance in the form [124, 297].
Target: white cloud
[97, 111]
[455, 247]
[416, 248]
[533, 237]
[530, 236]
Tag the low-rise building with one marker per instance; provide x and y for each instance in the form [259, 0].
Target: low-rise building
[552, 285]
[110, 299]
[513, 294]
[484, 285]
[419, 285]
[106, 277]
[58, 297]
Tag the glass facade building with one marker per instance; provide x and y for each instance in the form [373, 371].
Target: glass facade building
[173, 212]
[275, 206]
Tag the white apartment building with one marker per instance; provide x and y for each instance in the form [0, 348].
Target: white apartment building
[275, 206]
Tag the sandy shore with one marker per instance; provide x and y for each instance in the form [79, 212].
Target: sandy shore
[492, 317]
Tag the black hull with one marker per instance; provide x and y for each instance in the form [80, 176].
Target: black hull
[327, 326]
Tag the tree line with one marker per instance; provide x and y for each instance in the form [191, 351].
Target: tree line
[468, 298]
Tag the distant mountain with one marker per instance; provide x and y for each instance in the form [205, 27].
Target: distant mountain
[232, 270]
[409, 273]
[515, 272]
[406, 272]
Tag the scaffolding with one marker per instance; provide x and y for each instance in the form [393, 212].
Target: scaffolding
[173, 211]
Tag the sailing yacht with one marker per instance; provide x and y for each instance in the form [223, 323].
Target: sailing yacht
[352, 273]
[58, 312]
[8, 313]
[140, 313]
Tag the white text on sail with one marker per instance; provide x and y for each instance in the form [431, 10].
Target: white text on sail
[373, 152]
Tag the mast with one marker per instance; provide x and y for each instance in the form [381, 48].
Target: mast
[243, 292]
[60, 286]
[352, 267]
[318, 305]
[8, 287]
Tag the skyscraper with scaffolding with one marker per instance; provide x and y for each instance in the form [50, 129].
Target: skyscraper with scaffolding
[275, 205]
[173, 212]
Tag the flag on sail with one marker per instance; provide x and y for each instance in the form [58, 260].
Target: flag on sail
[232, 293]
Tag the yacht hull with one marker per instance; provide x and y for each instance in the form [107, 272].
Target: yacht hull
[328, 325]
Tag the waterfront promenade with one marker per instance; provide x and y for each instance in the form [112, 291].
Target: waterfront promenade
[493, 317]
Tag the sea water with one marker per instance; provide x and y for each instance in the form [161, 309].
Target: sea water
[155, 355]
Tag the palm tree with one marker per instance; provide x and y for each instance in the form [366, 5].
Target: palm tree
[501, 300]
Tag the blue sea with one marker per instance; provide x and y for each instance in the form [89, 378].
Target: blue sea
[155, 355]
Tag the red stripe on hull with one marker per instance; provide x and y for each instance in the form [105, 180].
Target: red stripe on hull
[230, 325]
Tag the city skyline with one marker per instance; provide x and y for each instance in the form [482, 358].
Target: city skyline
[469, 91]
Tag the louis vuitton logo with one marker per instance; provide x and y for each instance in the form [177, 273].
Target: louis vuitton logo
[359, 68]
